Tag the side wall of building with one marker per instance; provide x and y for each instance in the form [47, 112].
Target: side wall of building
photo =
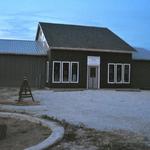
[141, 74]
[14, 67]
[81, 57]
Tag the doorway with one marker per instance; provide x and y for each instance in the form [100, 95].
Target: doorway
[93, 72]
[92, 77]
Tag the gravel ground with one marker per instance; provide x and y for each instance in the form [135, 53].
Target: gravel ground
[99, 109]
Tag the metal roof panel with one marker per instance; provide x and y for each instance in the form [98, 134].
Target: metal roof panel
[141, 54]
[22, 47]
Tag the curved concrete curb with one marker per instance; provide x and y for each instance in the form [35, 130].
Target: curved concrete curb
[56, 135]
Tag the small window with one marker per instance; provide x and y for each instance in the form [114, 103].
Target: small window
[74, 72]
[65, 73]
[119, 73]
[111, 75]
[126, 73]
[56, 71]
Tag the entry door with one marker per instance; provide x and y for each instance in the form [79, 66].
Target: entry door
[92, 77]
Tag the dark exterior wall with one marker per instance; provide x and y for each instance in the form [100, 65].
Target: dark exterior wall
[81, 57]
[141, 74]
[14, 67]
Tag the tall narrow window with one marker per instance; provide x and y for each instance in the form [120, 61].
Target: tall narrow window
[111, 76]
[47, 71]
[74, 72]
[119, 73]
[126, 73]
[56, 71]
[65, 73]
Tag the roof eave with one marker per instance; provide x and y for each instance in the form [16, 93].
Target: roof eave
[91, 49]
[23, 54]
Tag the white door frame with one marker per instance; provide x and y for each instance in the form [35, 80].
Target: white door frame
[93, 61]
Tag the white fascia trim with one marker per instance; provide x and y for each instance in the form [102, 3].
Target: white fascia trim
[59, 72]
[74, 62]
[44, 36]
[65, 62]
[90, 49]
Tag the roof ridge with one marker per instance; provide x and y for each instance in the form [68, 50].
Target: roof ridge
[74, 25]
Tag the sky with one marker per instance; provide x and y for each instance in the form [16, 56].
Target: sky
[129, 19]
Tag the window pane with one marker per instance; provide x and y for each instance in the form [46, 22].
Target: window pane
[111, 73]
[65, 72]
[56, 71]
[74, 72]
[93, 72]
[126, 73]
[119, 73]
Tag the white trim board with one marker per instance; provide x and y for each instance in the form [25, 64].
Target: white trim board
[91, 49]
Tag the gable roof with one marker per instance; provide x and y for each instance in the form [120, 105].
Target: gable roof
[75, 36]
[22, 47]
[141, 54]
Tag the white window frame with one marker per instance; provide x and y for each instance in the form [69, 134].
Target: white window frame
[129, 73]
[115, 73]
[65, 62]
[74, 62]
[59, 72]
[47, 71]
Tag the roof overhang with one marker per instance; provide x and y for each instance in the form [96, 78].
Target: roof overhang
[91, 49]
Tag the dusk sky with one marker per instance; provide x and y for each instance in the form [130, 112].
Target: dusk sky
[130, 19]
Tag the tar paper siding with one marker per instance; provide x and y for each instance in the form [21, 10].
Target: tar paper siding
[141, 74]
[14, 67]
[81, 57]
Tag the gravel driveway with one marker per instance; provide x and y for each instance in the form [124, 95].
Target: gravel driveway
[100, 109]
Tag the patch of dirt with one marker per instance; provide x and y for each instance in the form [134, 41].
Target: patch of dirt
[22, 134]
[27, 102]
[8, 93]
[9, 96]
[81, 138]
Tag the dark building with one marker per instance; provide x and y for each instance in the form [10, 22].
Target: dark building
[73, 56]
[141, 68]
[22, 58]
[86, 57]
